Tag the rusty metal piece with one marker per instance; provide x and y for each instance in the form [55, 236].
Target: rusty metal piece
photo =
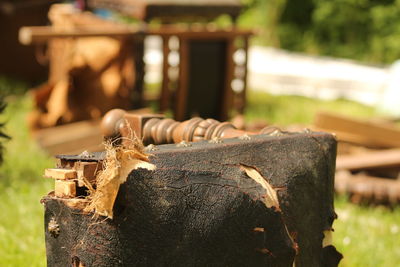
[245, 137]
[272, 131]
[67, 161]
[86, 154]
[150, 148]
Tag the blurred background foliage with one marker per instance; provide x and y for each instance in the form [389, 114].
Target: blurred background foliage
[365, 30]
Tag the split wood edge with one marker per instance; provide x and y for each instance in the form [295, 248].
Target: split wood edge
[270, 199]
[101, 180]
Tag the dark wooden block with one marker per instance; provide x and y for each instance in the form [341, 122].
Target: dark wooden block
[199, 208]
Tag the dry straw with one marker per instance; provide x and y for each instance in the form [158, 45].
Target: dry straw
[120, 160]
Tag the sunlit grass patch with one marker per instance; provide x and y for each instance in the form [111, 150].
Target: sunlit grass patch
[288, 109]
[21, 187]
[367, 236]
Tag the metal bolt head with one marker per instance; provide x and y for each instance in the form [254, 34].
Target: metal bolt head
[271, 131]
[184, 144]
[276, 133]
[215, 140]
[53, 228]
[150, 147]
[245, 137]
[86, 155]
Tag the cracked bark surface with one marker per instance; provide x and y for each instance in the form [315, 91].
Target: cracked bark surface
[199, 207]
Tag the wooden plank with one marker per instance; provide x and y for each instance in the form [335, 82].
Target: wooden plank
[60, 174]
[42, 34]
[68, 132]
[371, 134]
[71, 138]
[74, 138]
[74, 148]
[87, 171]
[355, 139]
[64, 188]
[202, 34]
[369, 160]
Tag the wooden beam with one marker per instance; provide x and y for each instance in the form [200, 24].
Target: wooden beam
[369, 160]
[71, 138]
[366, 133]
[201, 33]
[87, 172]
[42, 34]
[60, 174]
[368, 188]
[74, 138]
[65, 188]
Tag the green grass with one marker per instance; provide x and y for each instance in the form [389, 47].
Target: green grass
[21, 187]
[367, 236]
[285, 110]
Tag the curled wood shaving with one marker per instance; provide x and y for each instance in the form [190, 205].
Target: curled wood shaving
[119, 162]
[270, 198]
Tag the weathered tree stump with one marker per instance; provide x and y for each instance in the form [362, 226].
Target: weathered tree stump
[206, 205]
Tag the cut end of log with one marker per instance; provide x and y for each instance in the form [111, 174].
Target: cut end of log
[92, 186]
[65, 189]
[60, 174]
[25, 35]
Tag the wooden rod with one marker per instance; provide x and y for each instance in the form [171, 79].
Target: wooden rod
[154, 129]
[42, 34]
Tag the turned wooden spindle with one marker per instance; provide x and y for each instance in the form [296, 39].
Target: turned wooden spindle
[154, 129]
